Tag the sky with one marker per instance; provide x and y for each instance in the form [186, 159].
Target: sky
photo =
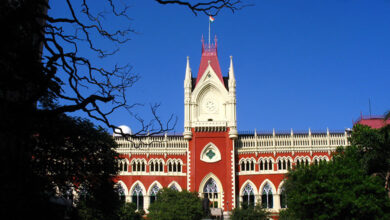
[299, 64]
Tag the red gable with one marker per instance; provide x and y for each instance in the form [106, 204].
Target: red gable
[209, 54]
[373, 121]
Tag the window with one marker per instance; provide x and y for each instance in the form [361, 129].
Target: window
[284, 163]
[248, 197]
[266, 197]
[153, 193]
[173, 187]
[175, 166]
[247, 165]
[137, 197]
[138, 165]
[156, 165]
[121, 192]
[265, 164]
[283, 198]
[210, 191]
[123, 164]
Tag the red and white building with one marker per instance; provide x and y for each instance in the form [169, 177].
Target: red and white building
[211, 157]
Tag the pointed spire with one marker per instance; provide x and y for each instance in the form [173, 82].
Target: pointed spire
[187, 80]
[232, 78]
[188, 68]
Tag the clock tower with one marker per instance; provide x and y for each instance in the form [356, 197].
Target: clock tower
[210, 126]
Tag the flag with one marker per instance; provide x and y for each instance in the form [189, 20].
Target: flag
[211, 19]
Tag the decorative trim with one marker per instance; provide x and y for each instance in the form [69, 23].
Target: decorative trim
[210, 153]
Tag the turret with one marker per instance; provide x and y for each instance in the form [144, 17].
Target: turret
[232, 102]
[187, 101]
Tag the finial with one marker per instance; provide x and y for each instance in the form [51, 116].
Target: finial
[209, 62]
[188, 58]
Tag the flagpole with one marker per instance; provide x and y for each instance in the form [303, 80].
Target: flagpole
[209, 32]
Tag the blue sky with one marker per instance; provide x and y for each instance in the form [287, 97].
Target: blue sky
[299, 64]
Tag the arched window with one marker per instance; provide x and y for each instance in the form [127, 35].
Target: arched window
[151, 167]
[252, 165]
[210, 191]
[270, 167]
[248, 197]
[138, 197]
[266, 197]
[242, 166]
[279, 165]
[173, 187]
[161, 167]
[153, 193]
[121, 192]
[283, 198]
[169, 167]
[174, 167]
[125, 164]
[261, 165]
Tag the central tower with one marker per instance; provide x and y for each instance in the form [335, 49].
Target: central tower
[210, 98]
[210, 126]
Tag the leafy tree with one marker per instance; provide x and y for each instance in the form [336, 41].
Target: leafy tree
[128, 211]
[171, 204]
[373, 146]
[44, 76]
[248, 213]
[340, 189]
[71, 154]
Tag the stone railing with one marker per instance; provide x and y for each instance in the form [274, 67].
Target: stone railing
[152, 145]
[291, 142]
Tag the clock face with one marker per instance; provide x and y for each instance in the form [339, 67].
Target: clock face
[210, 106]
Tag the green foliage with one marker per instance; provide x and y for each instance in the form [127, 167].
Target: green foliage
[171, 204]
[374, 149]
[249, 213]
[340, 189]
[128, 212]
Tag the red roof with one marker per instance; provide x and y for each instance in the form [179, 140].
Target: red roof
[209, 54]
[373, 121]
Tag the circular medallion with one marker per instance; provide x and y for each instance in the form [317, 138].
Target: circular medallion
[210, 106]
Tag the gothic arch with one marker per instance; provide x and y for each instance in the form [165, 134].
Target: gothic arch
[216, 198]
[141, 185]
[250, 183]
[177, 185]
[270, 183]
[152, 185]
[123, 185]
[281, 184]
